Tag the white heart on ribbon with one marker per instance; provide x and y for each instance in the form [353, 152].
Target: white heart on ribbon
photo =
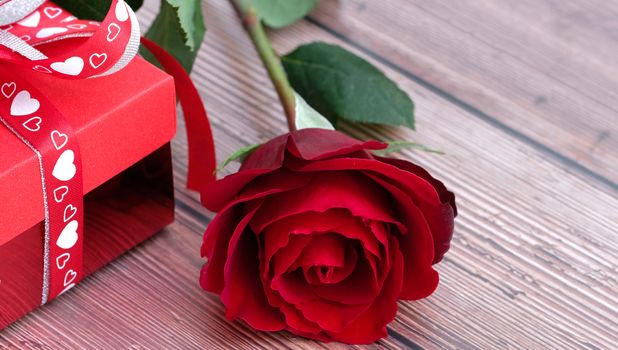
[8, 89]
[77, 26]
[97, 59]
[68, 237]
[47, 32]
[60, 192]
[71, 66]
[69, 19]
[52, 12]
[66, 289]
[33, 124]
[69, 278]
[61, 260]
[112, 32]
[59, 139]
[121, 11]
[31, 21]
[41, 69]
[24, 104]
[65, 169]
[69, 212]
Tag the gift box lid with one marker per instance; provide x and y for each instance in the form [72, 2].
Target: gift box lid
[118, 120]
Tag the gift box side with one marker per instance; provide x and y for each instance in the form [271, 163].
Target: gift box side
[121, 213]
[118, 120]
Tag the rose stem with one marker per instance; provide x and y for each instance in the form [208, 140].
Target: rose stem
[253, 26]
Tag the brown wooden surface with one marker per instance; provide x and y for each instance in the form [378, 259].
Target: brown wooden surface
[522, 96]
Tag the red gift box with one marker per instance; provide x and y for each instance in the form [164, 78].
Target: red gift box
[123, 123]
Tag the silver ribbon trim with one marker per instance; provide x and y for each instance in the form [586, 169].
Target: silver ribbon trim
[13, 11]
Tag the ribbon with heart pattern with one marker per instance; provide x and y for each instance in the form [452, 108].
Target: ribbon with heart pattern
[27, 113]
[35, 121]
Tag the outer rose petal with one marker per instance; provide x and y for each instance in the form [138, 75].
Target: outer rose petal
[218, 194]
[417, 247]
[243, 294]
[446, 196]
[215, 248]
[440, 219]
[313, 144]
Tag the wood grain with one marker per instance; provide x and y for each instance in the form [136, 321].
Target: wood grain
[534, 262]
[544, 71]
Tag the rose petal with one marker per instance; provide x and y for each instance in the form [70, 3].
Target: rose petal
[284, 258]
[219, 232]
[417, 247]
[316, 275]
[446, 196]
[440, 219]
[371, 325]
[313, 144]
[268, 156]
[331, 316]
[359, 288]
[355, 228]
[216, 241]
[293, 317]
[324, 250]
[218, 194]
[276, 235]
[439, 216]
[243, 294]
[347, 190]
[419, 188]
[293, 288]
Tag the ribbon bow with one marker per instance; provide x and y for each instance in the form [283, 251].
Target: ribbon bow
[107, 48]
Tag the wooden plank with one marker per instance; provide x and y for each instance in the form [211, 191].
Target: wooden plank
[545, 71]
[534, 262]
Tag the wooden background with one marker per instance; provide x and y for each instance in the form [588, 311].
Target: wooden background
[521, 95]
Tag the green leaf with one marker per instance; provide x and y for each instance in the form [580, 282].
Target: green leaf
[339, 84]
[94, 10]
[307, 117]
[240, 155]
[191, 21]
[178, 28]
[397, 146]
[281, 13]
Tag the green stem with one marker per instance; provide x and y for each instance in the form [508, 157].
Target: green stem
[269, 57]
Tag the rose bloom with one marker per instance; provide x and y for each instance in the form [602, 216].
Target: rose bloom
[317, 236]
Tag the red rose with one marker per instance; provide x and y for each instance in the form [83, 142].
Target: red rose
[317, 236]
